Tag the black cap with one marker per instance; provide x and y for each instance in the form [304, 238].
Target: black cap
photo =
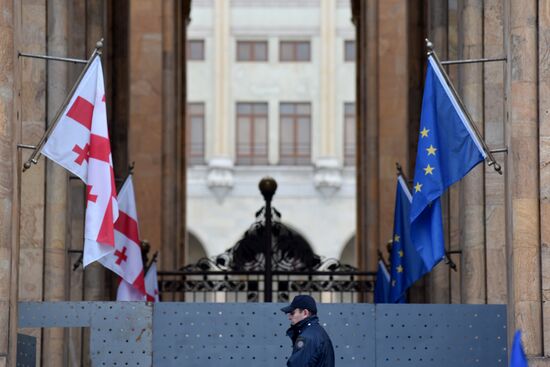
[303, 302]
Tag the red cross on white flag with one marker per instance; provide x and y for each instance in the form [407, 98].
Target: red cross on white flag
[126, 292]
[126, 259]
[151, 284]
[80, 143]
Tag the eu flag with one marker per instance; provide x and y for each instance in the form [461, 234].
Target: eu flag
[382, 285]
[406, 264]
[517, 356]
[448, 149]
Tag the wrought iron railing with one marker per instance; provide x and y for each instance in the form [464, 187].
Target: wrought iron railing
[271, 262]
[249, 286]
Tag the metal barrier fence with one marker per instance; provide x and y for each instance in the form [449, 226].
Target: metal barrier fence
[253, 334]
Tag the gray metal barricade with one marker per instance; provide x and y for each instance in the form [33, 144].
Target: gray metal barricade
[253, 334]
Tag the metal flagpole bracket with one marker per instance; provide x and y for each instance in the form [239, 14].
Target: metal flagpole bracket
[52, 58]
[26, 146]
[449, 262]
[473, 61]
[491, 161]
[33, 159]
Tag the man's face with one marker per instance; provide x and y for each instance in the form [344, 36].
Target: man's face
[297, 315]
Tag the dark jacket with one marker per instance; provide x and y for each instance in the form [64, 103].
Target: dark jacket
[311, 345]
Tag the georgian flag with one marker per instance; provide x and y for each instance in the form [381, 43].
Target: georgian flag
[126, 260]
[126, 292]
[151, 284]
[80, 143]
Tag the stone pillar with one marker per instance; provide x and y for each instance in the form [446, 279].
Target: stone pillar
[522, 205]
[222, 146]
[220, 173]
[96, 284]
[544, 159]
[33, 118]
[472, 214]
[170, 139]
[495, 238]
[327, 78]
[55, 260]
[145, 123]
[393, 94]
[438, 278]
[184, 10]
[9, 205]
[365, 14]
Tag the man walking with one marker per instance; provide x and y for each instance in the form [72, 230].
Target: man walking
[311, 345]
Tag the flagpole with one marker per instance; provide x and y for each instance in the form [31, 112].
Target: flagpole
[153, 260]
[402, 174]
[492, 161]
[35, 155]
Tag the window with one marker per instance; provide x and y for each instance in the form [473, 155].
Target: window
[251, 50]
[349, 51]
[294, 51]
[295, 139]
[195, 133]
[195, 50]
[251, 133]
[349, 134]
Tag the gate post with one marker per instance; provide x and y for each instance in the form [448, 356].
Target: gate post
[268, 186]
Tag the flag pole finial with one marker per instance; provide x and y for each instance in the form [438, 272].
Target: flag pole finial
[429, 46]
[99, 46]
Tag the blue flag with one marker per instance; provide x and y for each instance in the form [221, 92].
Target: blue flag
[382, 285]
[517, 356]
[448, 149]
[406, 264]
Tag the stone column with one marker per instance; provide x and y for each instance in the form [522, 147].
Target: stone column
[220, 174]
[365, 18]
[472, 214]
[328, 173]
[184, 10]
[55, 261]
[438, 279]
[170, 139]
[495, 238]
[522, 205]
[96, 284]
[222, 146]
[544, 148]
[327, 78]
[393, 94]
[33, 118]
[9, 205]
[145, 123]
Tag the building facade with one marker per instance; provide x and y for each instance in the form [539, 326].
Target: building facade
[271, 92]
[497, 226]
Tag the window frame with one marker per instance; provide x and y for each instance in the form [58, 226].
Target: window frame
[295, 117]
[253, 52]
[347, 57]
[294, 44]
[203, 49]
[255, 159]
[349, 159]
[200, 159]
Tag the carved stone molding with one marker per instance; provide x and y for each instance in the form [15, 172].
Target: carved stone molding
[328, 176]
[220, 177]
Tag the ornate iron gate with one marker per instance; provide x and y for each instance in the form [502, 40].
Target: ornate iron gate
[270, 262]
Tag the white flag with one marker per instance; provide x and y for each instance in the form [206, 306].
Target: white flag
[151, 284]
[126, 260]
[80, 143]
[127, 292]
